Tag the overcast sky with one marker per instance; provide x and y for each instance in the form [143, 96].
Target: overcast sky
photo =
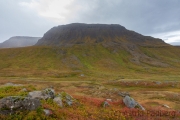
[158, 18]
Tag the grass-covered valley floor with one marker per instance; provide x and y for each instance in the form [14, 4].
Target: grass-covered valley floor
[91, 75]
[161, 99]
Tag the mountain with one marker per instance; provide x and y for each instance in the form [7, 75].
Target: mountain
[19, 41]
[97, 51]
[79, 33]
[111, 36]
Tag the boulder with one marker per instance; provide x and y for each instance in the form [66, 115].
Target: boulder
[64, 99]
[129, 102]
[36, 95]
[31, 104]
[48, 93]
[58, 101]
[69, 99]
[13, 103]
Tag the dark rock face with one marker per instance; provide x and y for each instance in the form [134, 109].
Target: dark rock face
[78, 33]
[19, 41]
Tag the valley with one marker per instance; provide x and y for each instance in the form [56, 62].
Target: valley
[98, 66]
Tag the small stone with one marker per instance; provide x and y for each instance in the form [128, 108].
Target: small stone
[158, 83]
[115, 89]
[109, 100]
[105, 104]
[140, 106]
[166, 106]
[24, 90]
[82, 75]
[58, 100]
[47, 112]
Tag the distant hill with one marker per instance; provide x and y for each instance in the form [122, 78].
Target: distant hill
[175, 43]
[79, 33]
[19, 41]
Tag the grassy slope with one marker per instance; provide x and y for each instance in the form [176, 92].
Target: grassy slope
[95, 61]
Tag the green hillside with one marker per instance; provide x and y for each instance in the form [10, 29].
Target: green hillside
[94, 61]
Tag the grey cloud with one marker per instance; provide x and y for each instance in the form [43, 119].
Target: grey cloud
[144, 16]
[18, 22]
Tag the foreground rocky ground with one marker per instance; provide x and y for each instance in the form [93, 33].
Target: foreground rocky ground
[89, 100]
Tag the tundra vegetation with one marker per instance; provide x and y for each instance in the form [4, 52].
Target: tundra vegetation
[97, 76]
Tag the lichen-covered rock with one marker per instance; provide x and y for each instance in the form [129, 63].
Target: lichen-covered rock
[36, 95]
[13, 103]
[48, 93]
[58, 101]
[69, 99]
[64, 99]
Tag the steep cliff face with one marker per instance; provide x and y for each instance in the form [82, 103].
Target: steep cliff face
[78, 33]
[19, 41]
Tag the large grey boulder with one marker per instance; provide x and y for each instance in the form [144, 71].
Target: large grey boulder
[48, 93]
[14, 103]
[129, 102]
